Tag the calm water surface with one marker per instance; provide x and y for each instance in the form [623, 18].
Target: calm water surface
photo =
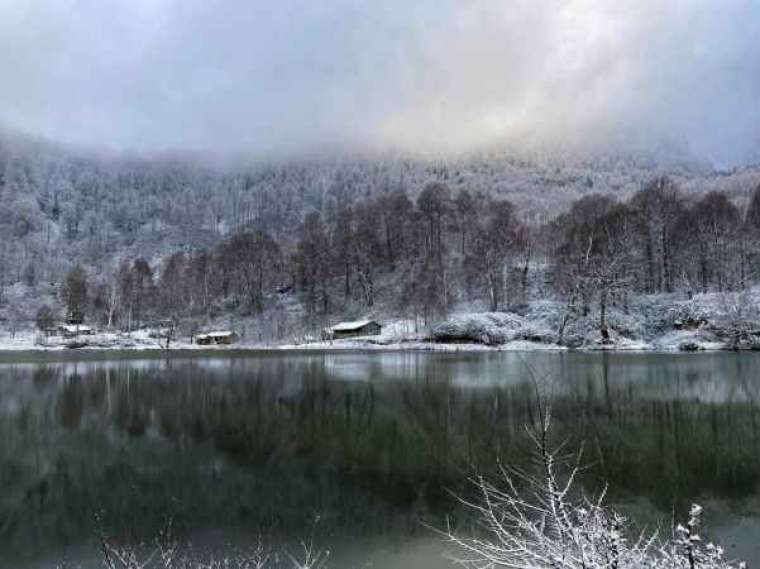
[357, 450]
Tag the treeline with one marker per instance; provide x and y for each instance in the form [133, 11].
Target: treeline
[59, 207]
[422, 257]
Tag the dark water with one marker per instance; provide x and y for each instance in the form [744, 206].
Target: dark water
[359, 451]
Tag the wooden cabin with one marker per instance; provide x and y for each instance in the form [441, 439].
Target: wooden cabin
[352, 330]
[74, 330]
[219, 337]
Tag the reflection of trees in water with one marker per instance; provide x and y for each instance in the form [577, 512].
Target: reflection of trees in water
[270, 443]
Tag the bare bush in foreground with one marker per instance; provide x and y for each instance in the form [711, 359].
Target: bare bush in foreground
[167, 553]
[539, 521]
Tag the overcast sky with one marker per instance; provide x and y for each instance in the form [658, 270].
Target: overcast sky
[291, 76]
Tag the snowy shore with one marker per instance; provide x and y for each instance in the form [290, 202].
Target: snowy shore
[25, 342]
[654, 323]
[709, 322]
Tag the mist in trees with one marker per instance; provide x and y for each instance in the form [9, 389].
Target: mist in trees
[130, 242]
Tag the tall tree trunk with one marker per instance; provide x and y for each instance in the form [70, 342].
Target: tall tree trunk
[493, 291]
[603, 316]
[666, 274]
[650, 265]
[524, 276]
[347, 276]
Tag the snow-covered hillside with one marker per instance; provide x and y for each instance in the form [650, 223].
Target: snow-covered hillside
[281, 249]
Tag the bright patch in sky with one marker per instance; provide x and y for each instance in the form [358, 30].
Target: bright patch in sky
[432, 75]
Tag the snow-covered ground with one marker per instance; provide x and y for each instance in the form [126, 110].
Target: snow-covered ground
[138, 340]
[714, 321]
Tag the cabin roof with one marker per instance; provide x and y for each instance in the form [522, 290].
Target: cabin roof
[350, 326]
[216, 334]
[73, 328]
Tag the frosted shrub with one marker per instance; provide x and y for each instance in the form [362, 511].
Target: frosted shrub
[166, 553]
[538, 521]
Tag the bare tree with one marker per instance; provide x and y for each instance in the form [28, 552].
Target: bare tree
[366, 250]
[45, 318]
[593, 259]
[491, 255]
[74, 291]
[716, 228]
[656, 210]
[312, 262]
[252, 264]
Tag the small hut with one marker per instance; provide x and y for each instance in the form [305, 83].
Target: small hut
[218, 337]
[74, 330]
[352, 330]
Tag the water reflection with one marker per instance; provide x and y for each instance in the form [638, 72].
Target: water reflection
[369, 442]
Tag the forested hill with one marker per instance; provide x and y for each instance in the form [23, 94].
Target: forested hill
[60, 208]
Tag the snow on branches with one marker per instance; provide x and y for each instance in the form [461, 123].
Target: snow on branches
[537, 519]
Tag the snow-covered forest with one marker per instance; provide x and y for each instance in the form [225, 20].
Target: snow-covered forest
[291, 246]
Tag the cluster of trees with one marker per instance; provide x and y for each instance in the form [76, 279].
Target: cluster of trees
[420, 256]
[59, 208]
[659, 241]
[410, 255]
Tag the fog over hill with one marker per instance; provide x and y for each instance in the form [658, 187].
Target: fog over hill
[91, 205]
[436, 76]
[208, 240]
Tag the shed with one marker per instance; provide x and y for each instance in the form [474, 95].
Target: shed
[218, 337]
[73, 330]
[352, 330]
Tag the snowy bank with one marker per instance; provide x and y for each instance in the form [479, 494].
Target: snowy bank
[714, 321]
[706, 322]
[117, 341]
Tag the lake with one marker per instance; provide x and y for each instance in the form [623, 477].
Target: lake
[360, 452]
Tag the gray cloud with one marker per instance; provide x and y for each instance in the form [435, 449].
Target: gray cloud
[430, 75]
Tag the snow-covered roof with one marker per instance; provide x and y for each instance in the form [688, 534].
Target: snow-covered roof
[216, 334]
[73, 329]
[349, 326]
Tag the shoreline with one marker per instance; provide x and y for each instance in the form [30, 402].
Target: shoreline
[20, 351]
[653, 324]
